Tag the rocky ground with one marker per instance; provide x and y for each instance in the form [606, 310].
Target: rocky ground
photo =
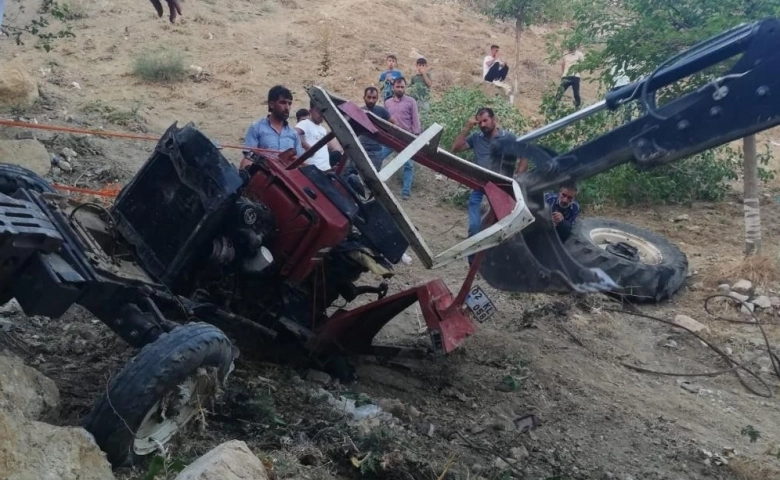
[572, 362]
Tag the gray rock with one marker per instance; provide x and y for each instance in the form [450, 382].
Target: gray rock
[747, 308]
[17, 87]
[6, 325]
[774, 301]
[724, 288]
[682, 218]
[26, 391]
[69, 153]
[690, 324]
[231, 460]
[36, 450]
[30, 154]
[738, 296]
[762, 302]
[519, 453]
[745, 287]
[317, 376]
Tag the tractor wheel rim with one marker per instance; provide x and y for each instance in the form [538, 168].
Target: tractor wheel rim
[158, 427]
[649, 254]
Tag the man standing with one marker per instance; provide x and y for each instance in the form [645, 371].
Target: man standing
[371, 146]
[273, 132]
[387, 77]
[419, 86]
[564, 209]
[569, 60]
[480, 142]
[403, 109]
[495, 70]
[311, 131]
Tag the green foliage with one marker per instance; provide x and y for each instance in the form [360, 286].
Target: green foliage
[452, 109]
[701, 177]
[160, 66]
[162, 468]
[750, 431]
[42, 27]
[527, 12]
[455, 105]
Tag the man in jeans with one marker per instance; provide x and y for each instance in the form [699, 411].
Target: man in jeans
[480, 142]
[372, 147]
[403, 109]
[568, 79]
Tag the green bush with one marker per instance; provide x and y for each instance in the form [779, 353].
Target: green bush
[455, 105]
[701, 177]
[161, 66]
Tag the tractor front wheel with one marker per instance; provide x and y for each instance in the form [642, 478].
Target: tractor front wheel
[159, 391]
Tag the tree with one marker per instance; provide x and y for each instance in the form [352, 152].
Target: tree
[523, 13]
[40, 27]
[636, 35]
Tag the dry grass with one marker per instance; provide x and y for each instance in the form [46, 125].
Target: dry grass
[759, 269]
[750, 469]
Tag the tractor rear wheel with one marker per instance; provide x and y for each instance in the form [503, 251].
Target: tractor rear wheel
[167, 384]
[13, 177]
[645, 265]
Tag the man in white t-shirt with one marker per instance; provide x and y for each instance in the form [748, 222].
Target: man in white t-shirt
[311, 131]
[573, 57]
[495, 70]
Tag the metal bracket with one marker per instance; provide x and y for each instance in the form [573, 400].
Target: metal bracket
[425, 150]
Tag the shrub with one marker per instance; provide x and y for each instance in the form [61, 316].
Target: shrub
[160, 66]
[451, 110]
[455, 105]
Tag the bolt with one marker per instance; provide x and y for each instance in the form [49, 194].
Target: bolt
[641, 143]
[683, 125]
[762, 91]
[134, 333]
[716, 111]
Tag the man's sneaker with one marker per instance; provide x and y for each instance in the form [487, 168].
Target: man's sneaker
[405, 196]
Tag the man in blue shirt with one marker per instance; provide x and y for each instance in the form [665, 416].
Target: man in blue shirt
[273, 132]
[480, 143]
[564, 209]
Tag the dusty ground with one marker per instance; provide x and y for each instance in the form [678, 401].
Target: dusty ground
[555, 356]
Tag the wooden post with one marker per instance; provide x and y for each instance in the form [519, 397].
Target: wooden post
[752, 211]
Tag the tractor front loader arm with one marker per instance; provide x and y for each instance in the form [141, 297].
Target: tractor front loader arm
[743, 101]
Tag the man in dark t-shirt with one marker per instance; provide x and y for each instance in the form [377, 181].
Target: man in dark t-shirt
[373, 148]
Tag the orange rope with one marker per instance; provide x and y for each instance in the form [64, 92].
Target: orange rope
[101, 133]
[113, 189]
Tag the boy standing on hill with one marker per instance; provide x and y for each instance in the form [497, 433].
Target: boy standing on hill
[420, 84]
[387, 77]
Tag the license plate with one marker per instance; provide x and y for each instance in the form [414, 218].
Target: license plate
[480, 305]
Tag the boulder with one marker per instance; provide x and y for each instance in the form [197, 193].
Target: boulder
[25, 391]
[30, 154]
[762, 302]
[724, 288]
[690, 324]
[17, 88]
[745, 287]
[229, 461]
[740, 297]
[31, 450]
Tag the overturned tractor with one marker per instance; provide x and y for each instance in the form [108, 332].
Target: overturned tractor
[195, 249]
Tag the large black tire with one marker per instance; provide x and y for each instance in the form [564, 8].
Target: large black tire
[652, 280]
[13, 177]
[152, 375]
